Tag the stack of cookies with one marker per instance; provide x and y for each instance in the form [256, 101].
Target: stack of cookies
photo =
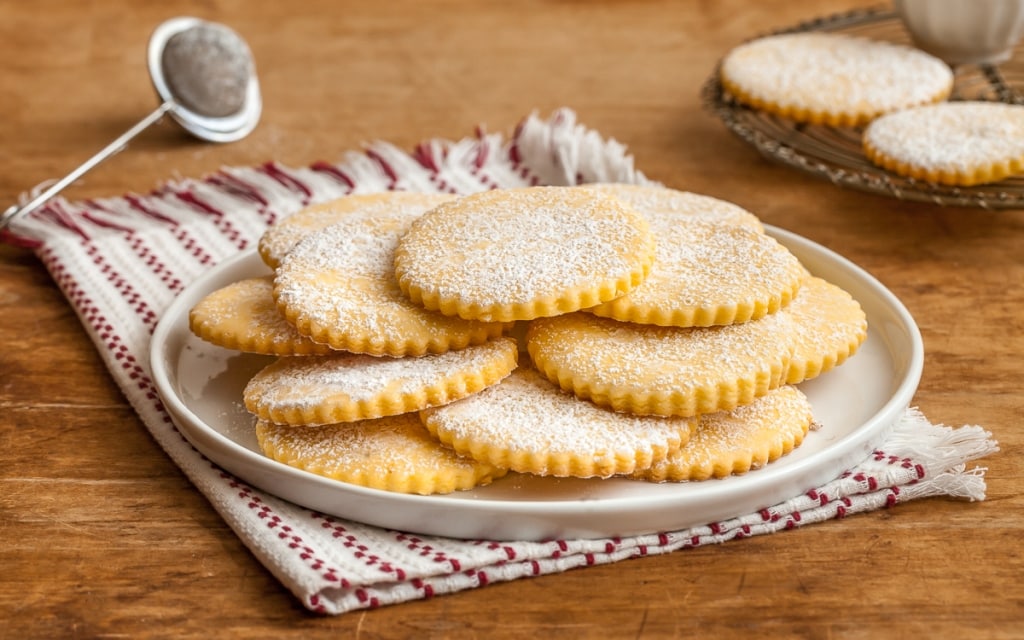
[897, 94]
[429, 343]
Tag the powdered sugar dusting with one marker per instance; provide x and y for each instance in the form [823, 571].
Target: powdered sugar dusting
[832, 73]
[830, 325]
[243, 316]
[703, 265]
[735, 441]
[279, 239]
[644, 359]
[339, 281]
[527, 414]
[514, 246]
[653, 201]
[394, 453]
[306, 383]
[958, 137]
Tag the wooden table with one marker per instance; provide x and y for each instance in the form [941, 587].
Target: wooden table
[102, 536]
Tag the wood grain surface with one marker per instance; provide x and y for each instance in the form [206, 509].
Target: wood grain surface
[101, 536]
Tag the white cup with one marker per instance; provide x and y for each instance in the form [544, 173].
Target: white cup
[964, 31]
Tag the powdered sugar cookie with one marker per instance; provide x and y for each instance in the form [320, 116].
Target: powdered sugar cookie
[394, 454]
[832, 79]
[338, 287]
[517, 254]
[735, 442]
[954, 143]
[830, 327]
[346, 387]
[279, 238]
[708, 274]
[244, 316]
[667, 371]
[526, 424]
[661, 200]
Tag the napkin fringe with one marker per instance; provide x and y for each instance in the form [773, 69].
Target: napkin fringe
[957, 482]
[562, 152]
[942, 452]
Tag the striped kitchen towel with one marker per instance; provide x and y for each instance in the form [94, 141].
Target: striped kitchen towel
[121, 261]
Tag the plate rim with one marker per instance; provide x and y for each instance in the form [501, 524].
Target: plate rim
[239, 459]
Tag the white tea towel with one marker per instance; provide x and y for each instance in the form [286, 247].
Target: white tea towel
[121, 261]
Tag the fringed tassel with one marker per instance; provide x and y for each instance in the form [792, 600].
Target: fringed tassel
[562, 152]
[938, 447]
[957, 482]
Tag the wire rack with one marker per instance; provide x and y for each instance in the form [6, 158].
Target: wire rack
[835, 154]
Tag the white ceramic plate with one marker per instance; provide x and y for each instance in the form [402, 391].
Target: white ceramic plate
[857, 404]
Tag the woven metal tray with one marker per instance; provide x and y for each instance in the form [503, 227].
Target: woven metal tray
[835, 154]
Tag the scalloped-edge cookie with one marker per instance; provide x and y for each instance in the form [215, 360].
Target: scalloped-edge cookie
[243, 316]
[394, 453]
[526, 424]
[953, 143]
[337, 286]
[830, 327]
[653, 199]
[832, 79]
[707, 274]
[518, 254]
[735, 442]
[664, 371]
[280, 237]
[347, 387]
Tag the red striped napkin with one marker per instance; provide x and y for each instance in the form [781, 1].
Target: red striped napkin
[121, 261]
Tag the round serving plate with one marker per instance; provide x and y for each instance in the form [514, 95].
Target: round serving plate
[857, 405]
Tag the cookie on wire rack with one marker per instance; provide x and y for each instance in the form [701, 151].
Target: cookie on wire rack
[953, 143]
[832, 79]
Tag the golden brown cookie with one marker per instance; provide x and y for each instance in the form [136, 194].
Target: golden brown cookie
[517, 254]
[665, 371]
[243, 316]
[337, 286]
[394, 454]
[830, 327]
[832, 79]
[526, 424]
[735, 442]
[953, 143]
[707, 273]
[346, 387]
[280, 237]
[651, 199]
